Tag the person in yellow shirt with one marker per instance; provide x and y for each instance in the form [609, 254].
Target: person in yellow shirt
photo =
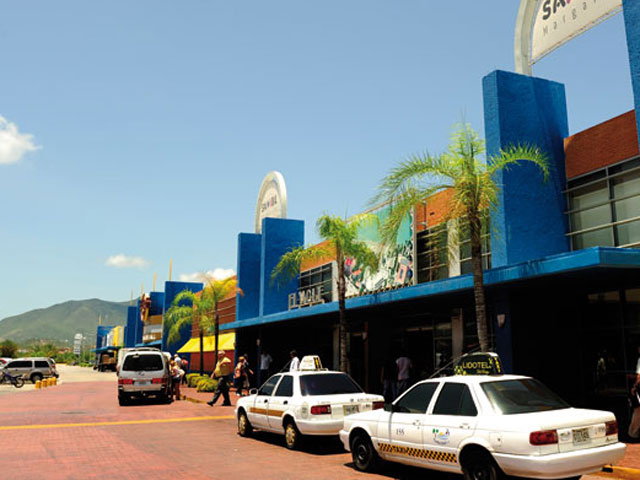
[223, 369]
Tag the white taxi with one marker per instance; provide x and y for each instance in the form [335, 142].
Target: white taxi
[485, 427]
[311, 401]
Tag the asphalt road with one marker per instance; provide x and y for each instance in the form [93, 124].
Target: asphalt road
[77, 430]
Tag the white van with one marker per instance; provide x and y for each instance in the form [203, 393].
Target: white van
[144, 372]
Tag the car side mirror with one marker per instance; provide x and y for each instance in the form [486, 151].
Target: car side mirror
[388, 407]
[253, 391]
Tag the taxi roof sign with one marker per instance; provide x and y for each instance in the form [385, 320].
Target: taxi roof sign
[482, 363]
[310, 363]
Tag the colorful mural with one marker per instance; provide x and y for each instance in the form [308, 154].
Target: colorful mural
[396, 261]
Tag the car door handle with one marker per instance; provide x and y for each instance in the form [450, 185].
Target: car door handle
[266, 400]
[416, 423]
[286, 402]
[465, 426]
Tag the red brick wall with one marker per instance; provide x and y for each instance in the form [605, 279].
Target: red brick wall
[605, 144]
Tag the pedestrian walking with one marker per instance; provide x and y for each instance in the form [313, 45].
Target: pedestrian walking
[248, 373]
[220, 373]
[634, 425]
[176, 372]
[265, 366]
[185, 368]
[404, 373]
[389, 380]
[238, 376]
[294, 364]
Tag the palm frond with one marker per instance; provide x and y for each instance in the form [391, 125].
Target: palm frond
[513, 155]
[288, 267]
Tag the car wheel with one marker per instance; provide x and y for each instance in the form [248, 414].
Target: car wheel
[244, 426]
[292, 436]
[36, 377]
[480, 466]
[364, 455]
[124, 400]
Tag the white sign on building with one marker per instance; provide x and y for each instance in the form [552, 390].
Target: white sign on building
[272, 199]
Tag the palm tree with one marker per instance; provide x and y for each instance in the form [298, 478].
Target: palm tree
[202, 307]
[341, 241]
[474, 189]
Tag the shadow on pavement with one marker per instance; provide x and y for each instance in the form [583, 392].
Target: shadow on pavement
[314, 445]
[398, 471]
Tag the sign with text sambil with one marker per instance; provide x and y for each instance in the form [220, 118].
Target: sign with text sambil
[272, 199]
[558, 21]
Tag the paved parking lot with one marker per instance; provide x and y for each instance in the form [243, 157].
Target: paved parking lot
[77, 430]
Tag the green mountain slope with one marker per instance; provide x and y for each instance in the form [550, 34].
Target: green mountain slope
[62, 321]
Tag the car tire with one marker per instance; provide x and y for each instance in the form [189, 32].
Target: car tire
[124, 400]
[481, 466]
[35, 377]
[292, 436]
[245, 429]
[363, 454]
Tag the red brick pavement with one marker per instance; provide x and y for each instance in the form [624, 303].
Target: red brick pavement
[204, 449]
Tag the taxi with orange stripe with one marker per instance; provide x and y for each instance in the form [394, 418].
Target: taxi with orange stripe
[485, 425]
[310, 401]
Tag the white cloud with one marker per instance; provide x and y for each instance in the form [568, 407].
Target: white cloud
[13, 144]
[217, 274]
[123, 261]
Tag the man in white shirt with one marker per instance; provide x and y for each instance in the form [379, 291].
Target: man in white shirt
[295, 361]
[404, 373]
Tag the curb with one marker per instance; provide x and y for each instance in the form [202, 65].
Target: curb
[624, 473]
[192, 400]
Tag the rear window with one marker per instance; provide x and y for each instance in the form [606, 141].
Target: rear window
[42, 364]
[328, 384]
[143, 363]
[522, 396]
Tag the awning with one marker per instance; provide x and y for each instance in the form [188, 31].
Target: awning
[226, 341]
[105, 349]
[155, 343]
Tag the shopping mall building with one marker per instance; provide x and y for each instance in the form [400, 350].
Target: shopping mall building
[562, 262]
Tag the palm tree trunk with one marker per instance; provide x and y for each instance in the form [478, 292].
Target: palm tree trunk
[475, 227]
[201, 350]
[342, 312]
[216, 332]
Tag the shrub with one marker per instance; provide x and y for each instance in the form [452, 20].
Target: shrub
[206, 385]
[194, 379]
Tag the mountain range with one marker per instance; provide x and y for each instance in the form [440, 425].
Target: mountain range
[59, 323]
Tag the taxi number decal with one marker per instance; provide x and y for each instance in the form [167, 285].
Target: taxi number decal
[418, 453]
[399, 431]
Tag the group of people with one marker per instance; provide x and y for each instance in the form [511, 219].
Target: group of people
[178, 367]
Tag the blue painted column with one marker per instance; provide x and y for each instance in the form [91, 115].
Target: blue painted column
[278, 237]
[139, 326]
[171, 290]
[249, 254]
[631, 12]
[130, 333]
[530, 222]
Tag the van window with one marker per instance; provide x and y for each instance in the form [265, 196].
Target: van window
[20, 364]
[42, 364]
[143, 363]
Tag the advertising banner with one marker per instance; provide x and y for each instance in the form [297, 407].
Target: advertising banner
[396, 261]
[558, 21]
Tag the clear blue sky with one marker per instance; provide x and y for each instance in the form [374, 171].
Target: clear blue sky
[157, 121]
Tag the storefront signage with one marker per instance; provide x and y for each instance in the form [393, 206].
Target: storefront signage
[485, 363]
[306, 297]
[272, 199]
[544, 25]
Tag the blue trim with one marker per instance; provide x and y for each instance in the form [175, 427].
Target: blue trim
[155, 343]
[596, 257]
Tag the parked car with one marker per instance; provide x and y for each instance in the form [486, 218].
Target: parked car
[34, 369]
[312, 401]
[4, 360]
[144, 372]
[485, 426]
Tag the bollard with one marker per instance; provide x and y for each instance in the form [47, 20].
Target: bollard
[49, 382]
[55, 381]
[39, 384]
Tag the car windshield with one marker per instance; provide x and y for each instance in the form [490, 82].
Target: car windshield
[328, 384]
[144, 363]
[522, 396]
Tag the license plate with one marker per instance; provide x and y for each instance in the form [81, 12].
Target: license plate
[580, 435]
[143, 382]
[350, 409]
